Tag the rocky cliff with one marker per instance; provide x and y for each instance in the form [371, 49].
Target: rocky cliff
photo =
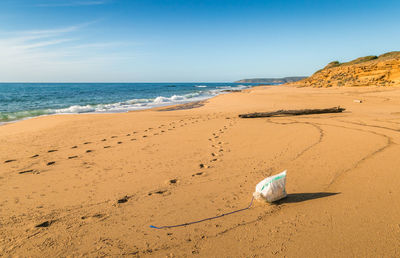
[383, 70]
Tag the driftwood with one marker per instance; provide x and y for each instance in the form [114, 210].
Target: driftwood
[293, 112]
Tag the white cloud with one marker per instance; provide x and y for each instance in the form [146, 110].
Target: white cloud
[55, 31]
[56, 55]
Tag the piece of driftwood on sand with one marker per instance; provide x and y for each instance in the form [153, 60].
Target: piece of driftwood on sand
[293, 112]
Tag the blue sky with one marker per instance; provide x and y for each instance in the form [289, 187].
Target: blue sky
[185, 40]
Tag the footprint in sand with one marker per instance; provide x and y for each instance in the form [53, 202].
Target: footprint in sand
[198, 174]
[35, 156]
[52, 151]
[119, 142]
[45, 224]
[87, 151]
[160, 192]
[72, 157]
[173, 181]
[104, 140]
[95, 216]
[74, 147]
[51, 163]
[26, 171]
[10, 160]
[123, 199]
[87, 143]
[144, 136]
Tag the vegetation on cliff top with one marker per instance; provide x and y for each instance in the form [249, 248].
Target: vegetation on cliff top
[383, 70]
[389, 55]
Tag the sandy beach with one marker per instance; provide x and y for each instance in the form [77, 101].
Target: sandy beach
[91, 185]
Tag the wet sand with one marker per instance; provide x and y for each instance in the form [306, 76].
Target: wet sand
[91, 185]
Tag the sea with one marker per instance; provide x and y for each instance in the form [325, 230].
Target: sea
[25, 100]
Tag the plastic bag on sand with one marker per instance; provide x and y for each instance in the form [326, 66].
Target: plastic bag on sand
[271, 188]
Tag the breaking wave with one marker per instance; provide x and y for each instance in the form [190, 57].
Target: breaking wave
[123, 106]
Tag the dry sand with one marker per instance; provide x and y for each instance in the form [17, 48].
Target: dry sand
[66, 174]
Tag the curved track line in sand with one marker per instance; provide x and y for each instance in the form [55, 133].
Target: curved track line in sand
[322, 134]
[368, 156]
[265, 213]
[274, 208]
[375, 126]
[389, 143]
[320, 130]
[388, 121]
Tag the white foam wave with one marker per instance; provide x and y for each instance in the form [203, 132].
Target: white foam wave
[129, 105]
[76, 109]
[133, 104]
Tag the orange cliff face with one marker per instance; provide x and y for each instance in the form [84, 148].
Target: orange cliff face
[364, 71]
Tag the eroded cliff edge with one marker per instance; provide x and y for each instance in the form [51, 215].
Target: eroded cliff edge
[383, 70]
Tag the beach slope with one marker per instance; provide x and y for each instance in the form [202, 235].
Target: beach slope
[92, 185]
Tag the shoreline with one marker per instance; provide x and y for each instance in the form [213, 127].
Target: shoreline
[92, 185]
[160, 106]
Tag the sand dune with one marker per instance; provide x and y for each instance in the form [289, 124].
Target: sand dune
[92, 185]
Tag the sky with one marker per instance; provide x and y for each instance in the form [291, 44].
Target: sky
[187, 40]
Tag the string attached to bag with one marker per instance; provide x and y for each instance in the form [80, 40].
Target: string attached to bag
[202, 220]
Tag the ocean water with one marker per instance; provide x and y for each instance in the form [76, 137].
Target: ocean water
[24, 100]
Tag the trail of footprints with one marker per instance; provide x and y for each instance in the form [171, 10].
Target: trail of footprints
[109, 143]
[217, 144]
[133, 136]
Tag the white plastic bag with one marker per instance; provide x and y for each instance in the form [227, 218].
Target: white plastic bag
[272, 188]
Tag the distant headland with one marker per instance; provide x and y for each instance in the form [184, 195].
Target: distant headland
[272, 80]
